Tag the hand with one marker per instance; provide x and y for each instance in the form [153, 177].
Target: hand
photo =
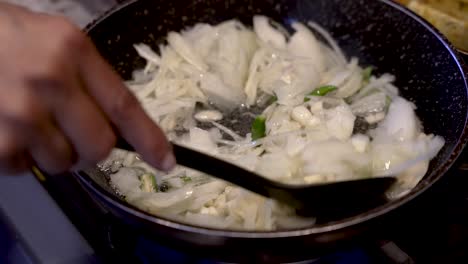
[59, 100]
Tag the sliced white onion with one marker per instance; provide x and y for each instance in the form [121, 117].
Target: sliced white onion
[147, 53]
[267, 33]
[304, 44]
[370, 104]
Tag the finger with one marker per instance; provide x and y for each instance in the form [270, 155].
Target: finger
[124, 110]
[14, 165]
[12, 158]
[78, 117]
[51, 150]
[29, 121]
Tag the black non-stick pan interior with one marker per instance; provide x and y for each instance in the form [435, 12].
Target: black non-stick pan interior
[380, 33]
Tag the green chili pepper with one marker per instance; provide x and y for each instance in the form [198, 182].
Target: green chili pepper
[258, 128]
[272, 99]
[388, 101]
[185, 178]
[366, 74]
[148, 183]
[320, 91]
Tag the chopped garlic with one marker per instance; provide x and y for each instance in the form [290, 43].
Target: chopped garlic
[209, 210]
[304, 116]
[374, 118]
[360, 142]
[301, 114]
[314, 121]
[316, 107]
[208, 116]
[315, 178]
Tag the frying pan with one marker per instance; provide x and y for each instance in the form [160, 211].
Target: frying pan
[380, 33]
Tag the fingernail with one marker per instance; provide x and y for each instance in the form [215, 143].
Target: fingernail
[169, 162]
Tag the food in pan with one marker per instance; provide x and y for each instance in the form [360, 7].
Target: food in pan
[288, 105]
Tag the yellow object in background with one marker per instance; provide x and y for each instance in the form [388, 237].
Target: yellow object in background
[38, 174]
[448, 16]
[455, 8]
